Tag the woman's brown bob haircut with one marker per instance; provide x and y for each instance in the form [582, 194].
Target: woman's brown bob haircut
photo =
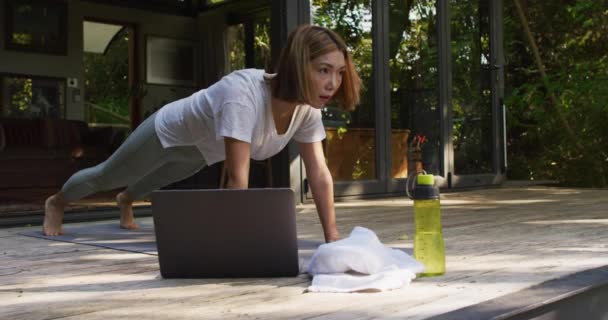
[293, 80]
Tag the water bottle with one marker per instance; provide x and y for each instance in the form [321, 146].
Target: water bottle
[428, 237]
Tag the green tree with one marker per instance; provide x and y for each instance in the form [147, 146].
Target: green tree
[557, 75]
[106, 80]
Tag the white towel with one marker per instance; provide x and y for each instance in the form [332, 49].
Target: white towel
[360, 263]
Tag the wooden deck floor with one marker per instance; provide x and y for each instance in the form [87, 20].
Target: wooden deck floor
[498, 242]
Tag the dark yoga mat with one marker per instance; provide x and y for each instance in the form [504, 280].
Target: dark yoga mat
[108, 235]
[141, 240]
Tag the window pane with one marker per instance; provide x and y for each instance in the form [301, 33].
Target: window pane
[471, 92]
[36, 25]
[25, 97]
[261, 44]
[236, 45]
[350, 147]
[257, 55]
[414, 87]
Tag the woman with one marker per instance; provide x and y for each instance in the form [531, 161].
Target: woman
[247, 114]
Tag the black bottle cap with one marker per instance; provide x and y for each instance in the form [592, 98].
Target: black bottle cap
[425, 192]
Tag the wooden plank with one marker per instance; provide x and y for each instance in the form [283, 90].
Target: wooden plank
[148, 293]
[75, 264]
[39, 248]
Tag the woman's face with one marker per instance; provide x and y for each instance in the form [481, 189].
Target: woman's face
[327, 73]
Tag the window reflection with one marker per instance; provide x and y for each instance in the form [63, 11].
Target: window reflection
[31, 97]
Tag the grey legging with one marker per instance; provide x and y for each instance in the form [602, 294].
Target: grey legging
[140, 163]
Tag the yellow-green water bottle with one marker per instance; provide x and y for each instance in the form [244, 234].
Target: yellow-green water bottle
[428, 238]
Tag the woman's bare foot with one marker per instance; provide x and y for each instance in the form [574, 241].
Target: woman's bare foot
[125, 204]
[54, 207]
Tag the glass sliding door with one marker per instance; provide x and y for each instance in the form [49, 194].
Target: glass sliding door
[414, 86]
[432, 76]
[445, 91]
[351, 147]
[472, 88]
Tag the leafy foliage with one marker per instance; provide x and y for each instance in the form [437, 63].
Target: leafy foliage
[572, 37]
[352, 21]
[106, 80]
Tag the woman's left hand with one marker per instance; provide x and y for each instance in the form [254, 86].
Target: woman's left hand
[332, 236]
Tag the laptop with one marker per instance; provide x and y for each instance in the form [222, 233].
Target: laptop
[226, 233]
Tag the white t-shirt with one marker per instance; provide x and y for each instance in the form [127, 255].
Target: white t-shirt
[237, 106]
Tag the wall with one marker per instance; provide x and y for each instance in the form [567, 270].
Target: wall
[40, 64]
[70, 66]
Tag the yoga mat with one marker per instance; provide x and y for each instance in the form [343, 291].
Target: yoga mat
[108, 235]
[141, 240]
